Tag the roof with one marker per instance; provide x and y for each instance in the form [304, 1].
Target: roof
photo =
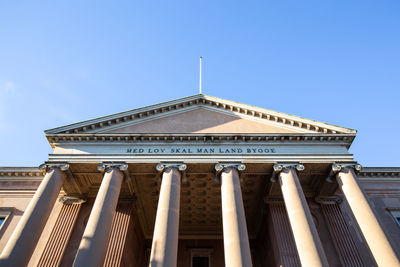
[274, 119]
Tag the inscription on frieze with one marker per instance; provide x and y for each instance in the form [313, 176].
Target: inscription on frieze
[201, 150]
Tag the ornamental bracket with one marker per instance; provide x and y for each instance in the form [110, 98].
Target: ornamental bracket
[281, 166]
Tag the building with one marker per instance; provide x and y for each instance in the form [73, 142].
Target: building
[200, 181]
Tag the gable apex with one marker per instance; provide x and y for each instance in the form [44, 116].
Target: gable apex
[118, 120]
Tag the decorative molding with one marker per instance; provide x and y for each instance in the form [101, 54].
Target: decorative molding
[69, 200]
[379, 172]
[290, 138]
[17, 193]
[279, 167]
[200, 100]
[328, 199]
[21, 172]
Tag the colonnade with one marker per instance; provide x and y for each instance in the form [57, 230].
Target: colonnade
[92, 248]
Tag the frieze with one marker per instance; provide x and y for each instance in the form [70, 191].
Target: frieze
[188, 149]
[200, 150]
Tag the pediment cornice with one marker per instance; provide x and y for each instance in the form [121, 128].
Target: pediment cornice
[290, 138]
[21, 172]
[102, 124]
[379, 173]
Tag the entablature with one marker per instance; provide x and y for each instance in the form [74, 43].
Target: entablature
[294, 138]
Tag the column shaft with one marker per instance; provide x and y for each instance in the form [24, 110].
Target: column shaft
[369, 225]
[60, 235]
[236, 240]
[305, 234]
[164, 248]
[23, 240]
[118, 236]
[93, 246]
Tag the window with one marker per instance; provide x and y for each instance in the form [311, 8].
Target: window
[396, 215]
[200, 262]
[4, 215]
[200, 257]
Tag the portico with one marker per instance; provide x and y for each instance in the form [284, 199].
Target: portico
[203, 179]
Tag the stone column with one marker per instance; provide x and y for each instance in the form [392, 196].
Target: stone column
[379, 245]
[61, 233]
[23, 240]
[164, 248]
[308, 244]
[93, 246]
[236, 240]
[120, 226]
[348, 252]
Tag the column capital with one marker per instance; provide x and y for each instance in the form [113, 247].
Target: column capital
[223, 166]
[69, 200]
[63, 166]
[339, 166]
[278, 167]
[120, 166]
[282, 166]
[180, 166]
[273, 199]
[328, 199]
[104, 166]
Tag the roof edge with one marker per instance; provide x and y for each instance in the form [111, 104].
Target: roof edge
[200, 99]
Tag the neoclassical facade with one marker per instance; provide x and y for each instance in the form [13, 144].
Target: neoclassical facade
[200, 181]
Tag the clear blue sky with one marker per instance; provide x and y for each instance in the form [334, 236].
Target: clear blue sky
[66, 61]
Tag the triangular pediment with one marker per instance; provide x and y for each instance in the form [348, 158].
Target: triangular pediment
[200, 114]
[201, 120]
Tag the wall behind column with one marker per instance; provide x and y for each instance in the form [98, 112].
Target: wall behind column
[37, 253]
[217, 256]
[323, 232]
[19, 204]
[384, 196]
[265, 249]
[134, 254]
[76, 235]
[383, 191]
[382, 206]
